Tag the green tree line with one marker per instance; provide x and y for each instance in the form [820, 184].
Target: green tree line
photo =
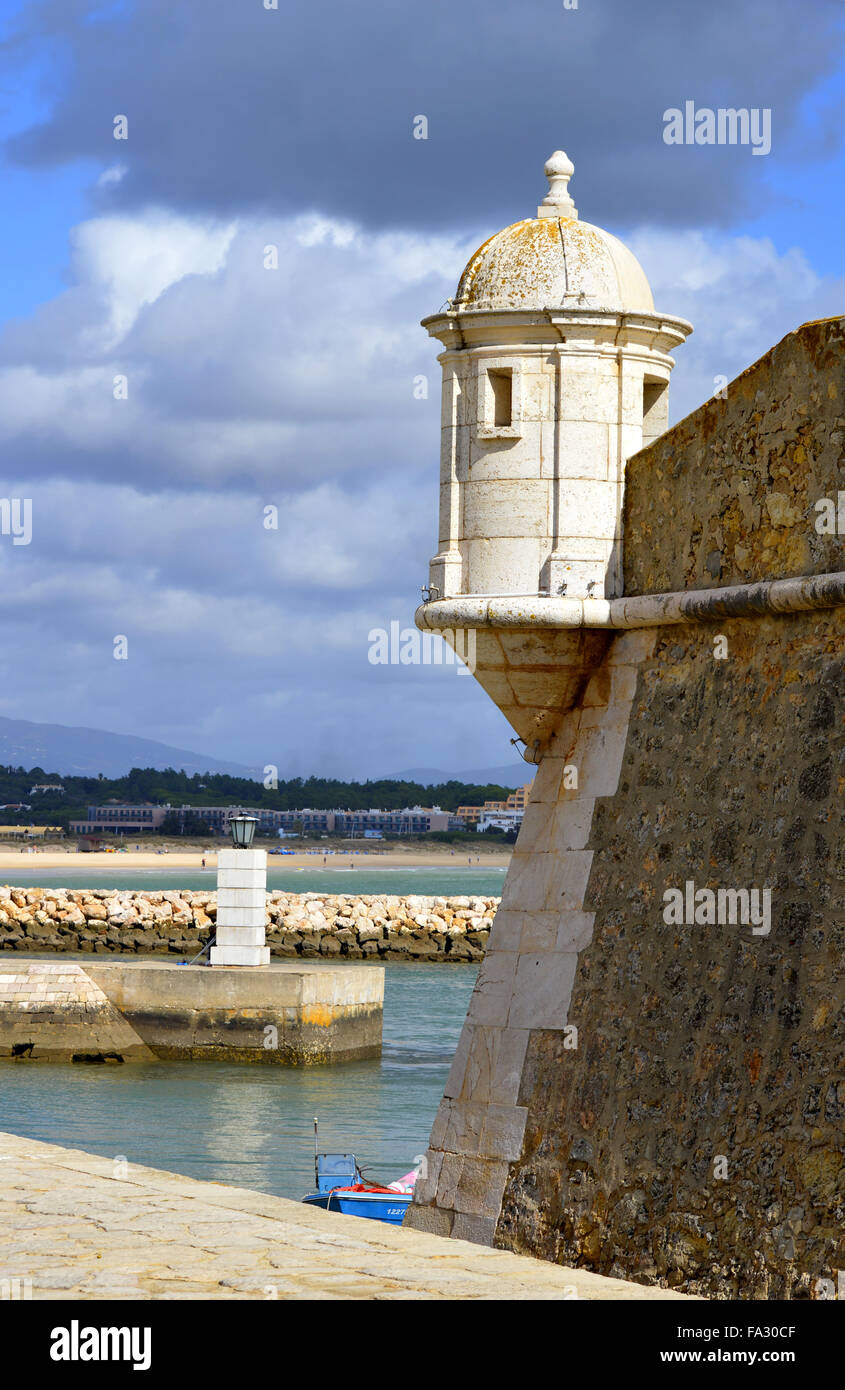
[151, 785]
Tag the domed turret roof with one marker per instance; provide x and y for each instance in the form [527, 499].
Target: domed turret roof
[554, 260]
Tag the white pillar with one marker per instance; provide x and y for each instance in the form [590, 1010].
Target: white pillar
[241, 908]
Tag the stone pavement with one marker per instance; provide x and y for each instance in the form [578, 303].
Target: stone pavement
[77, 1229]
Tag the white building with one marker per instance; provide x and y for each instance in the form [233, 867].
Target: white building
[500, 820]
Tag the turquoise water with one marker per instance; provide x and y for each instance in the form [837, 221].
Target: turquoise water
[252, 1126]
[436, 882]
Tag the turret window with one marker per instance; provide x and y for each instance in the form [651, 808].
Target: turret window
[501, 387]
[655, 410]
[499, 400]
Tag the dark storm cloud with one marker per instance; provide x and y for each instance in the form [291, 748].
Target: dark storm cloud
[233, 107]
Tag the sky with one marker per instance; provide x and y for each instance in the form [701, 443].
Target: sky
[249, 387]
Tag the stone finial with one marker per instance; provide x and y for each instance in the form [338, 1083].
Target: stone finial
[557, 202]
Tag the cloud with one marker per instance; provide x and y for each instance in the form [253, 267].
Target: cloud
[133, 263]
[741, 295]
[284, 376]
[292, 387]
[239, 636]
[238, 109]
[289, 388]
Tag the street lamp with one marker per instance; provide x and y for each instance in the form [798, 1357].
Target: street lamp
[243, 829]
[239, 937]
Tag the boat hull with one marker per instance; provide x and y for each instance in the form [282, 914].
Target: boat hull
[376, 1206]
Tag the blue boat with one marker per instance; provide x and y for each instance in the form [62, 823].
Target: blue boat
[342, 1187]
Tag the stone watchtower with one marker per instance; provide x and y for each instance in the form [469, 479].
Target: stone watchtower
[642, 1088]
[556, 370]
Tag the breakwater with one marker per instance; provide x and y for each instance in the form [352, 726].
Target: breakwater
[310, 925]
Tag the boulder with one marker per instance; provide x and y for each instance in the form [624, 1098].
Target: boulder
[369, 931]
[74, 917]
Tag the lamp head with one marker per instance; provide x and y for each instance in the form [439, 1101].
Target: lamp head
[243, 829]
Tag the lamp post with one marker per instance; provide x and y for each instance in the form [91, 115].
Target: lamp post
[241, 898]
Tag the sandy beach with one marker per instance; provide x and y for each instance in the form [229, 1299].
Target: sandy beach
[11, 859]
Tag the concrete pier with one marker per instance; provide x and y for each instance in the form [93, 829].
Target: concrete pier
[137, 1010]
[77, 1226]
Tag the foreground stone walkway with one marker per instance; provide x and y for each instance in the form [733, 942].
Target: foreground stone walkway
[77, 1231]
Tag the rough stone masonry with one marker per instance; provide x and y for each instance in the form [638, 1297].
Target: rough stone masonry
[640, 1090]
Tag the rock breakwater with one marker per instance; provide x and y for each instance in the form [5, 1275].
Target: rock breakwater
[311, 925]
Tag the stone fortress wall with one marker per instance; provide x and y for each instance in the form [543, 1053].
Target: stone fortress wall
[664, 1099]
[727, 495]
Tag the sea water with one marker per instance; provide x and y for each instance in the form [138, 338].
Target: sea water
[462, 880]
[252, 1125]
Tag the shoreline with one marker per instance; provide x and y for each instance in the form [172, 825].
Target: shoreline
[11, 860]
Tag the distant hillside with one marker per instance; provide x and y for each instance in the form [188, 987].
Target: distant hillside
[80, 752]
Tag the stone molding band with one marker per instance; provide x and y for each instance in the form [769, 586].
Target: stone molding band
[639, 611]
